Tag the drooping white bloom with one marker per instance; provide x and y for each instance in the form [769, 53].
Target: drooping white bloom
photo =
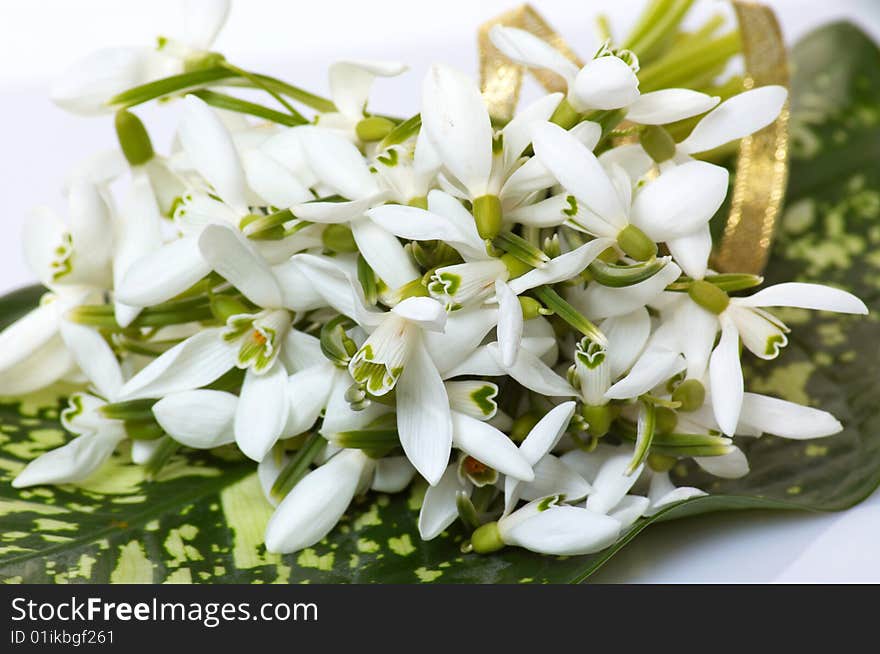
[89, 83]
[606, 82]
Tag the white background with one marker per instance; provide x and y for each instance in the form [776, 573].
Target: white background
[296, 40]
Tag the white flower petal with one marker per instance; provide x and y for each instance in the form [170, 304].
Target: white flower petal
[629, 509]
[627, 335]
[726, 379]
[439, 507]
[691, 252]
[563, 531]
[786, 419]
[298, 293]
[490, 446]
[457, 122]
[539, 442]
[203, 20]
[89, 83]
[553, 477]
[533, 373]
[654, 367]
[528, 50]
[201, 419]
[517, 134]
[137, 235]
[41, 234]
[697, 330]
[417, 224]
[612, 483]
[210, 149]
[384, 253]
[316, 503]
[262, 410]
[308, 391]
[393, 474]
[424, 421]
[351, 81]
[735, 118]
[732, 465]
[94, 357]
[465, 330]
[604, 83]
[273, 182]
[578, 170]
[680, 201]
[331, 281]
[510, 323]
[229, 253]
[163, 273]
[563, 267]
[339, 164]
[72, 462]
[423, 311]
[805, 296]
[45, 366]
[631, 157]
[30, 333]
[662, 493]
[669, 105]
[196, 362]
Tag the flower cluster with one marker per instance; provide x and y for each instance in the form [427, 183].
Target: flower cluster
[520, 313]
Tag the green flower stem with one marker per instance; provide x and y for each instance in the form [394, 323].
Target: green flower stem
[302, 96]
[603, 28]
[231, 103]
[166, 448]
[553, 301]
[521, 249]
[682, 66]
[166, 86]
[619, 276]
[649, 17]
[102, 316]
[298, 466]
[257, 82]
[662, 29]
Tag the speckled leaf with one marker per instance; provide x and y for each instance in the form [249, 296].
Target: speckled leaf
[203, 521]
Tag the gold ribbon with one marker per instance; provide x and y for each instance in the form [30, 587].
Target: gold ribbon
[762, 165]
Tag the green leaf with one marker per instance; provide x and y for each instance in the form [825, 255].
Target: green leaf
[203, 519]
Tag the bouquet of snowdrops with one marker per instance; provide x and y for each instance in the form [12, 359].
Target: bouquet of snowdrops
[522, 313]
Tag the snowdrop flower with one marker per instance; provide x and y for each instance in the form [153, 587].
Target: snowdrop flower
[74, 261]
[350, 85]
[479, 163]
[394, 357]
[743, 319]
[96, 435]
[606, 82]
[549, 527]
[672, 209]
[89, 83]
